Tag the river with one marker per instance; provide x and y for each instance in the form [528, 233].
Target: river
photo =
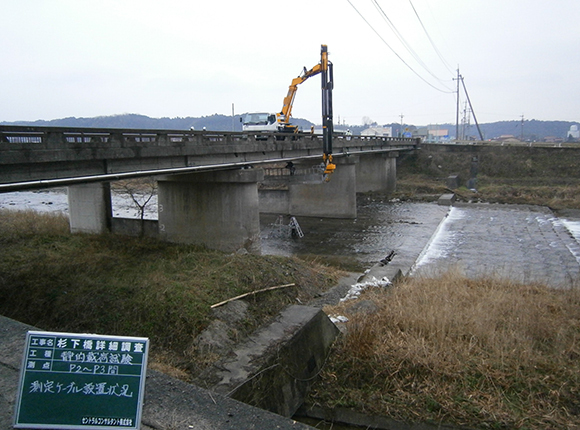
[381, 227]
[524, 243]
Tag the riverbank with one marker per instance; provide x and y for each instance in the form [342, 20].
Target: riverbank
[479, 354]
[55, 280]
[560, 404]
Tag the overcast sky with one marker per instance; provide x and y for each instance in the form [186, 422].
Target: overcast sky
[170, 58]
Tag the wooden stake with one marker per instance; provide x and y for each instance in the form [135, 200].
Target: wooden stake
[250, 293]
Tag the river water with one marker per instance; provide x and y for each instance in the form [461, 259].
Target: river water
[381, 226]
[524, 243]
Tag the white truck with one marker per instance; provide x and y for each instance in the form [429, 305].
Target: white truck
[259, 121]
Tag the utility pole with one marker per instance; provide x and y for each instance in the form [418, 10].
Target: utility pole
[460, 78]
[471, 108]
[522, 130]
[233, 127]
[401, 130]
[457, 107]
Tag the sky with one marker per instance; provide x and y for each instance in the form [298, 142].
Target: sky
[394, 60]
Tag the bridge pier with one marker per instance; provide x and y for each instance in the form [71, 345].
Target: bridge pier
[218, 209]
[333, 199]
[90, 209]
[377, 172]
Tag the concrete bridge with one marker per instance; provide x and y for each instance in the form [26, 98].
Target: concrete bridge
[208, 181]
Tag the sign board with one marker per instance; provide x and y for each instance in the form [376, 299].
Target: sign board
[81, 381]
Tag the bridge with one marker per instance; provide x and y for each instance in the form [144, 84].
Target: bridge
[207, 181]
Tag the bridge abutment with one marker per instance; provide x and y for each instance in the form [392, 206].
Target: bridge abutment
[90, 208]
[218, 209]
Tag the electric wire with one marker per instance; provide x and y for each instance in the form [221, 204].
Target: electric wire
[406, 44]
[396, 54]
[445, 63]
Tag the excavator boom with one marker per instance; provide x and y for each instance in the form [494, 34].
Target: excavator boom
[286, 112]
[283, 117]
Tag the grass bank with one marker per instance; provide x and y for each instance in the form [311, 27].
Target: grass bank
[128, 286]
[478, 353]
[554, 193]
[514, 175]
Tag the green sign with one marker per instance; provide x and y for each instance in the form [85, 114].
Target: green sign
[81, 381]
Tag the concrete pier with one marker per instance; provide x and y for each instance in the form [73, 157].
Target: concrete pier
[217, 209]
[333, 199]
[90, 208]
[377, 172]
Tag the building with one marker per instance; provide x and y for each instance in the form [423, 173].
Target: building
[378, 131]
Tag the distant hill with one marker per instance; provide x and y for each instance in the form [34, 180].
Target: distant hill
[214, 122]
[532, 129]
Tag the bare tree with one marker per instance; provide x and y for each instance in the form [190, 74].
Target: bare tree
[140, 191]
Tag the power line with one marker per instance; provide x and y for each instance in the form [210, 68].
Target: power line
[394, 52]
[445, 63]
[404, 42]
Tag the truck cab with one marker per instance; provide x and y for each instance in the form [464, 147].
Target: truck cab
[259, 121]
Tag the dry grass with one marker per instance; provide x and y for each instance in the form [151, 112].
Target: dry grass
[119, 285]
[17, 225]
[419, 187]
[555, 196]
[482, 353]
[554, 193]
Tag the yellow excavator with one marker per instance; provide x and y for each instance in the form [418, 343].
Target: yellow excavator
[283, 117]
[280, 121]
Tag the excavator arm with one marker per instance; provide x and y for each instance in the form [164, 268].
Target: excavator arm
[283, 117]
[327, 126]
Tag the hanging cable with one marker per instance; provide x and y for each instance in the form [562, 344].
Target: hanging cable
[397, 55]
[406, 45]
[445, 63]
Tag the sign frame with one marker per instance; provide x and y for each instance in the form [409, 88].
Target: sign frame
[81, 381]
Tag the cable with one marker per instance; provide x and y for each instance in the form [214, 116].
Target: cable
[405, 44]
[397, 55]
[445, 63]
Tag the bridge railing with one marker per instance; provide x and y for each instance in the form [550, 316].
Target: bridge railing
[65, 135]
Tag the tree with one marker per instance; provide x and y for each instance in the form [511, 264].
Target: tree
[140, 191]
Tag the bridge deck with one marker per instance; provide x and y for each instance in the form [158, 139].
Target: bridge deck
[36, 157]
